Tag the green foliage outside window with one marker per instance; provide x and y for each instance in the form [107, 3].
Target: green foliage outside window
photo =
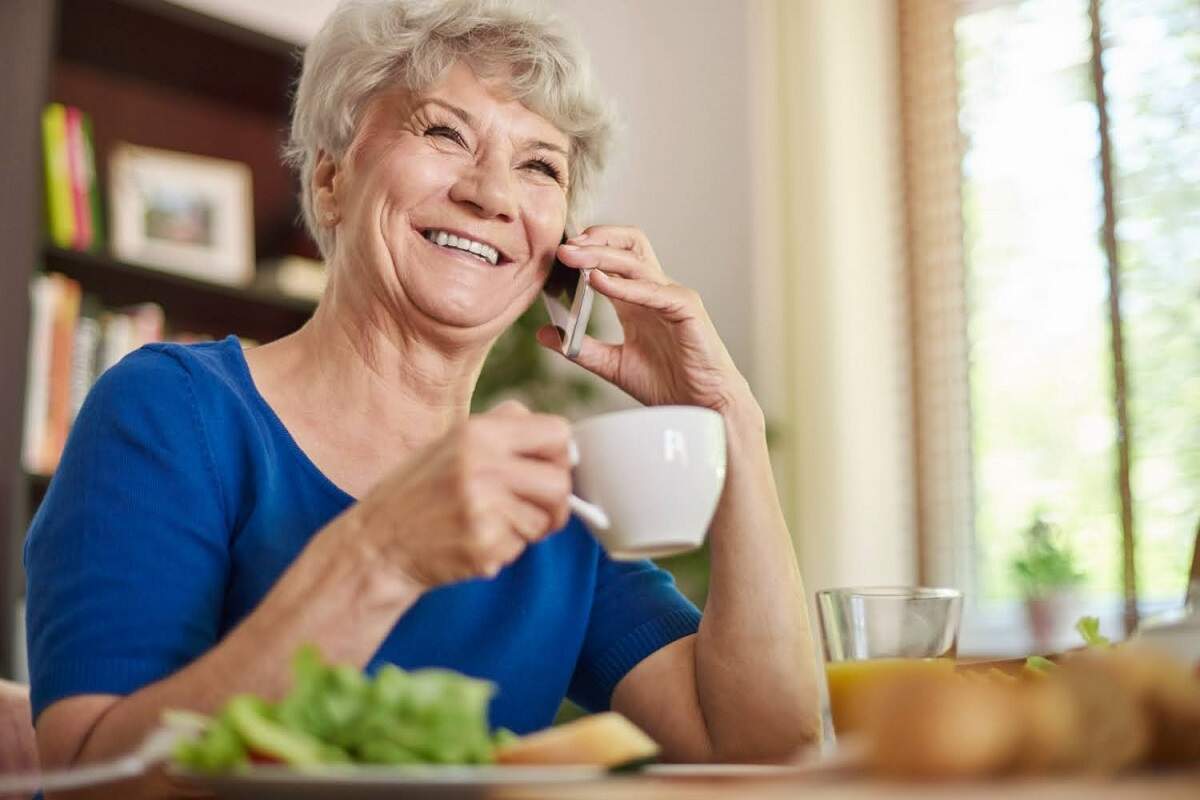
[1044, 430]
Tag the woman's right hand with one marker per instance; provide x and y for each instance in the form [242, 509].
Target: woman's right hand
[471, 502]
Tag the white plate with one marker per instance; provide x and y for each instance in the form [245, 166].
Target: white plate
[836, 758]
[372, 782]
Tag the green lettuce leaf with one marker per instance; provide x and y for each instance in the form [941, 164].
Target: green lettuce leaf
[336, 714]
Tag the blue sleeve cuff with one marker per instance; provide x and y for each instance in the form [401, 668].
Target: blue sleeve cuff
[595, 686]
[118, 676]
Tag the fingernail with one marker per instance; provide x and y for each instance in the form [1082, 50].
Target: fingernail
[579, 237]
[568, 247]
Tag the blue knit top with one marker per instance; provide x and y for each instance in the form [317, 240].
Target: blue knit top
[181, 498]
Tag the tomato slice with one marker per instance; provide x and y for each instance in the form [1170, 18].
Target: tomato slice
[259, 757]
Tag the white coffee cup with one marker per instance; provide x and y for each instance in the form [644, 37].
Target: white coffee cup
[656, 473]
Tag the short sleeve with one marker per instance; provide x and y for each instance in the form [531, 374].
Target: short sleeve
[127, 557]
[637, 609]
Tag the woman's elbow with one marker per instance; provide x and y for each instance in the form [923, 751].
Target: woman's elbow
[779, 736]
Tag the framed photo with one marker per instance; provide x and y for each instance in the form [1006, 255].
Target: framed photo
[176, 212]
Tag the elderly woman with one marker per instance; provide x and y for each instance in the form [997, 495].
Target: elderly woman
[216, 509]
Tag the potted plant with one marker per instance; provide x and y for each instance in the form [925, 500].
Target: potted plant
[1046, 572]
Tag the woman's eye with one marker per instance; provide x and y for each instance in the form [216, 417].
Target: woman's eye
[447, 132]
[544, 167]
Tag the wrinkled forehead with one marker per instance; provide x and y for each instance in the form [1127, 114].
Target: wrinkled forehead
[482, 94]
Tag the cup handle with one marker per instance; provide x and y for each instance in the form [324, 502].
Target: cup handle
[592, 514]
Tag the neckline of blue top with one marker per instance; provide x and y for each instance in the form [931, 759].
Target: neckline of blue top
[247, 379]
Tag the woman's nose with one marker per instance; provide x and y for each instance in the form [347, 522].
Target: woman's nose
[488, 185]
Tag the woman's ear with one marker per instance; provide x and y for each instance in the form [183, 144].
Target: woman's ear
[325, 205]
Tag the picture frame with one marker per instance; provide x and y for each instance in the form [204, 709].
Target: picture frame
[181, 213]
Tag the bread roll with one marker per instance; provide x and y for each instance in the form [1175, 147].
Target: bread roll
[606, 740]
[941, 726]
[1115, 725]
[1168, 692]
[1051, 726]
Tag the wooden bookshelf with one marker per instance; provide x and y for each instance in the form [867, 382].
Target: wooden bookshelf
[190, 304]
[154, 74]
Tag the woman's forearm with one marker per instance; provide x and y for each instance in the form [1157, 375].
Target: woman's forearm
[331, 596]
[755, 673]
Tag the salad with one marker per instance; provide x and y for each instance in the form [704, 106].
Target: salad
[335, 714]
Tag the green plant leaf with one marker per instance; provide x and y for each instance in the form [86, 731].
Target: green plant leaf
[1089, 629]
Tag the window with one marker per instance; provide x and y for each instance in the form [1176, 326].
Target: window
[1152, 77]
[1043, 334]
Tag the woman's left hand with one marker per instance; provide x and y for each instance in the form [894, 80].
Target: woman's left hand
[671, 353]
[18, 746]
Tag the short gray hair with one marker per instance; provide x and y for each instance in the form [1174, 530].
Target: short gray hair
[368, 45]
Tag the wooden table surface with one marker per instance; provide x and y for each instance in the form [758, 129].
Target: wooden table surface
[1161, 786]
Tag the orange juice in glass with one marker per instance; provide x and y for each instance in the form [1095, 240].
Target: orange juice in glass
[851, 682]
[873, 634]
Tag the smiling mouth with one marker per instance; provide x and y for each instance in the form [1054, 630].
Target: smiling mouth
[480, 250]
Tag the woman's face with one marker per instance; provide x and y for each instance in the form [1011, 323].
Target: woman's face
[462, 159]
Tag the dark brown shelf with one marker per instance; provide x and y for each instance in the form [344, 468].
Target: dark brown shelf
[190, 304]
[184, 50]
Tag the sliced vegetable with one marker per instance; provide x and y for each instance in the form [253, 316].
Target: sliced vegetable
[250, 717]
[1040, 665]
[218, 749]
[336, 714]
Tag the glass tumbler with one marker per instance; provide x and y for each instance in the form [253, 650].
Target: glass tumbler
[877, 632]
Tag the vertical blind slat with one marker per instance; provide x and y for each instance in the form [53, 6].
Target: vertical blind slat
[932, 155]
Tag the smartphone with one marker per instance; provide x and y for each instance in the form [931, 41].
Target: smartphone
[568, 296]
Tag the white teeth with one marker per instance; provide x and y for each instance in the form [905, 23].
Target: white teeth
[486, 252]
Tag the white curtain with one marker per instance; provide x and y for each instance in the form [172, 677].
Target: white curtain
[831, 332]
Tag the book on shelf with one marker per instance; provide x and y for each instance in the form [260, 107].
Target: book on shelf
[72, 341]
[73, 210]
[37, 376]
[86, 349]
[60, 211]
[67, 296]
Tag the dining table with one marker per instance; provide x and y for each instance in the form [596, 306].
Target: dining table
[711, 785]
